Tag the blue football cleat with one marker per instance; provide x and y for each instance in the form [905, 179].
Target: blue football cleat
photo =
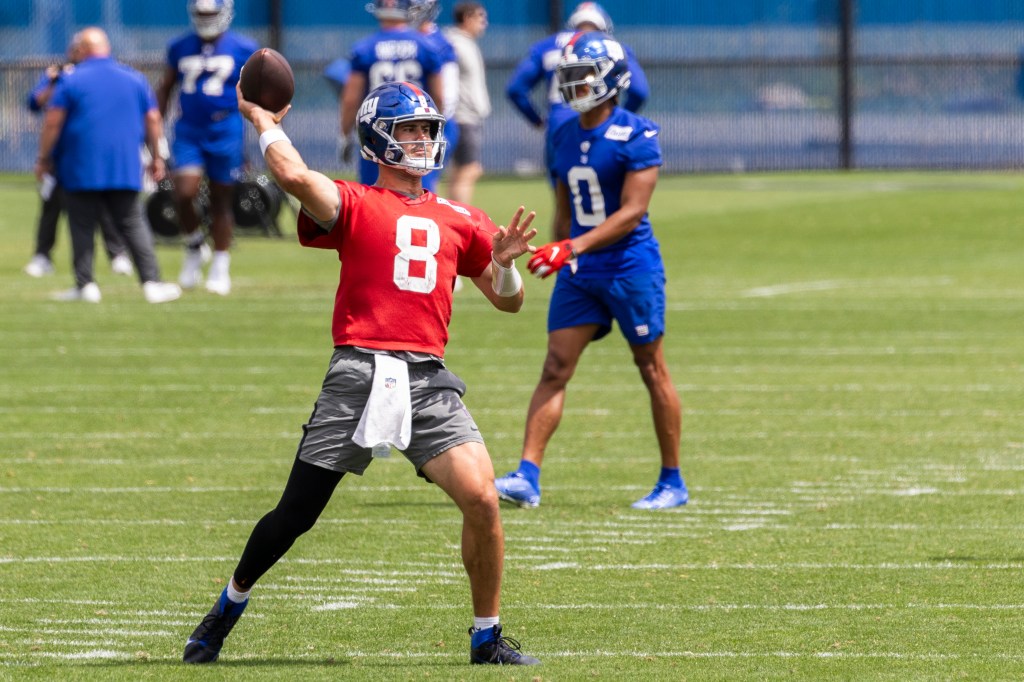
[489, 647]
[513, 487]
[205, 643]
[664, 496]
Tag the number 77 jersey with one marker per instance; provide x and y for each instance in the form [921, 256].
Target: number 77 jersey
[593, 165]
[399, 259]
[207, 74]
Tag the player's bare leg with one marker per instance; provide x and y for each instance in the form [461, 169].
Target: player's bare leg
[221, 227]
[465, 473]
[463, 180]
[186, 189]
[565, 346]
[667, 410]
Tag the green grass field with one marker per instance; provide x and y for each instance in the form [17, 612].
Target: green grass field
[850, 352]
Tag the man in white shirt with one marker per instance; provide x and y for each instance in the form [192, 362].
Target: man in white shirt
[474, 103]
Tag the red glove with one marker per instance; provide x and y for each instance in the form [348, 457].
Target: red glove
[551, 258]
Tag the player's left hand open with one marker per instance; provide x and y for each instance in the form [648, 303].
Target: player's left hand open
[551, 258]
[511, 242]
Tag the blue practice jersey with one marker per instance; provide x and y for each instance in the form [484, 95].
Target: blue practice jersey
[395, 55]
[100, 144]
[540, 64]
[593, 165]
[207, 75]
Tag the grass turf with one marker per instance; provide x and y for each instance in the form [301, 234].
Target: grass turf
[849, 352]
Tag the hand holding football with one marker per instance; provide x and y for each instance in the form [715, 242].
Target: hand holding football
[267, 80]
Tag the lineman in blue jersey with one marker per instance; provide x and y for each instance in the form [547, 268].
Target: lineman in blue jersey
[205, 66]
[541, 62]
[394, 53]
[424, 16]
[606, 162]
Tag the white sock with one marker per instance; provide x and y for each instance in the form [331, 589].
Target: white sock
[236, 596]
[220, 264]
[485, 623]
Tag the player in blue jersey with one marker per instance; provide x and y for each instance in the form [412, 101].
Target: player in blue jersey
[208, 136]
[424, 17]
[541, 62]
[606, 162]
[395, 53]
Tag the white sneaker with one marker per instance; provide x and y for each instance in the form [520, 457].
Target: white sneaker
[121, 264]
[218, 280]
[161, 292]
[191, 269]
[219, 285]
[90, 293]
[39, 266]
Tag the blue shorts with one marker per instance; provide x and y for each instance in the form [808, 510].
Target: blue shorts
[637, 303]
[218, 149]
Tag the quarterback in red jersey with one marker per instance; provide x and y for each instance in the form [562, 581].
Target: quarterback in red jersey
[401, 249]
[400, 255]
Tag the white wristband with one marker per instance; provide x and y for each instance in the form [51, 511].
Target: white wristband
[506, 282]
[270, 137]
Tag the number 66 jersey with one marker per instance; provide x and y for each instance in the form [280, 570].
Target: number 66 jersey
[399, 259]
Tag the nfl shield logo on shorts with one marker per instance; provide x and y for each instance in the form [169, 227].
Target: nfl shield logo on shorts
[390, 382]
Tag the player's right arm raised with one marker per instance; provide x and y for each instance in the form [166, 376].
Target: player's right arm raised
[315, 191]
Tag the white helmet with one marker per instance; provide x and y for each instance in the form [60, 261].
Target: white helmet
[210, 18]
[590, 13]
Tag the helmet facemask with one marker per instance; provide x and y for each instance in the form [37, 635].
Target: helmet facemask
[582, 83]
[416, 157]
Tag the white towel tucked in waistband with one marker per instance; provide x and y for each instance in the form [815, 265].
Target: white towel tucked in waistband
[387, 417]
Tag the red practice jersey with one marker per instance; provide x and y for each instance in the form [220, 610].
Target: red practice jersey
[399, 259]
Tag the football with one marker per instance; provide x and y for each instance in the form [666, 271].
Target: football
[267, 80]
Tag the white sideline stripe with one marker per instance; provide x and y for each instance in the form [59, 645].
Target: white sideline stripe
[135, 435]
[89, 631]
[112, 621]
[794, 566]
[618, 387]
[795, 488]
[17, 659]
[896, 283]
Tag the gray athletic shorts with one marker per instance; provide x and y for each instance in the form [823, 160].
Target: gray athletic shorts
[470, 145]
[440, 420]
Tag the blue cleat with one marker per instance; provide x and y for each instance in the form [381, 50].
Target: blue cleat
[513, 487]
[205, 643]
[664, 496]
[489, 647]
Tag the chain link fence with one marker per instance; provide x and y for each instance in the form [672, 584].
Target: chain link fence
[728, 98]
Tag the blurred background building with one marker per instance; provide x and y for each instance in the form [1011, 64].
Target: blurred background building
[737, 85]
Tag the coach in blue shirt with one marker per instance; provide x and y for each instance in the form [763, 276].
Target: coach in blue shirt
[98, 118]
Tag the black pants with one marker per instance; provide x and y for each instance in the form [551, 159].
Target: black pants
[125, 211]
[305, 496]
[49, 215]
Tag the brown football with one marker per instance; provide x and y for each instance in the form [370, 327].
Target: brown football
[267, 80]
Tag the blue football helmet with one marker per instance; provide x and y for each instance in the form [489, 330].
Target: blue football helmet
[384, 109]
[424, 11]
[593, 69]
[390, 9]
[210, 18]
[590, 13]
